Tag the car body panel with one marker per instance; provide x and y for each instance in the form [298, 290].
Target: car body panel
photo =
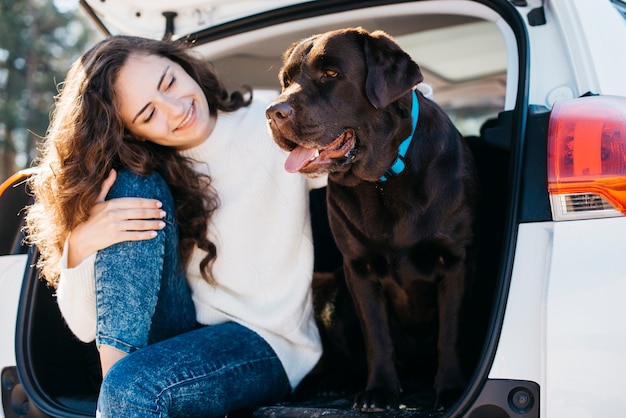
[12, 269]
[582, 62]
[585, 358]
[588, 28]
[561, 326]
[146, 18]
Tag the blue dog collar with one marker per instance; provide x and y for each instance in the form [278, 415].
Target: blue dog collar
[398, 166]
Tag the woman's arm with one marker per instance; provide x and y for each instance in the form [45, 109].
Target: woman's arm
[76, 297]
[110, 222]
[113, 221]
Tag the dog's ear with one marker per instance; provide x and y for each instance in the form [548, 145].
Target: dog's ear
[390, 71]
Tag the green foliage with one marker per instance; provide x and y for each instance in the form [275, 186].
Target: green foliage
[38, 43]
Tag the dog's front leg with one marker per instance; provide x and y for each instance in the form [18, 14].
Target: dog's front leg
[383, 386]
[449, 381]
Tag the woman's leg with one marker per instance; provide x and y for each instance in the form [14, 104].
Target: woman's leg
[207, 372]
[108, 357]
[142, 295]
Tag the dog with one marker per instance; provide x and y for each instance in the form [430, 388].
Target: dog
[401, 199]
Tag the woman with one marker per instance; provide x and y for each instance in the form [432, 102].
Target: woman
[144, 118]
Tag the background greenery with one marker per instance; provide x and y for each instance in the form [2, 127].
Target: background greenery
[39, 39]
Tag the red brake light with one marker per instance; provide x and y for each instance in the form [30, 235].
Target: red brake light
[587, 157]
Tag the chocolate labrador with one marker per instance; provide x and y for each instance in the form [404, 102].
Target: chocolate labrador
[401, 192]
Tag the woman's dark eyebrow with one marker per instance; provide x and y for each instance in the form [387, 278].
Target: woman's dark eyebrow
[158, 89]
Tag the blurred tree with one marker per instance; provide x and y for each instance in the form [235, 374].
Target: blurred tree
[38, 42]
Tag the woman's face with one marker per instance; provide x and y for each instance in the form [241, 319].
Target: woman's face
[160, 102]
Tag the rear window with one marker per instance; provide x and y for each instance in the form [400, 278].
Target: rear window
[465, 65]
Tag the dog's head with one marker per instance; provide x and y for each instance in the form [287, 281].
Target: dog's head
[344, 103]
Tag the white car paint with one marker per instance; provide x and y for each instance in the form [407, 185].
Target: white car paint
[11, 272]
[564, 322]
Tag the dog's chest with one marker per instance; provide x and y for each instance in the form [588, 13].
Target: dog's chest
[374, 212]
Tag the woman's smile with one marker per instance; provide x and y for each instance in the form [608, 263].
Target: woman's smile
[189, 118]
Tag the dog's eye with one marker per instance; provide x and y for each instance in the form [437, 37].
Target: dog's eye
[284, 80]
[330, 73]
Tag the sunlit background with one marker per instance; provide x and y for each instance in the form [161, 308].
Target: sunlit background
[39, 39]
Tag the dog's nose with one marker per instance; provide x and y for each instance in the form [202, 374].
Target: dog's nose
[279, 112]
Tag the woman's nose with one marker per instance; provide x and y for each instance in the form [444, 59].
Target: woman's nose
[172, 105]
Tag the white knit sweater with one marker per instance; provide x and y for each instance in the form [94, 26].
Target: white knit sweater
[264, 245]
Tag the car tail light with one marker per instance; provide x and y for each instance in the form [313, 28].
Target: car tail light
[587, 158]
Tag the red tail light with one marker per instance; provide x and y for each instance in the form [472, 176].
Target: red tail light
[587, 157]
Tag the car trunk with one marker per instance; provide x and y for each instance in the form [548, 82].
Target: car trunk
[60, 376]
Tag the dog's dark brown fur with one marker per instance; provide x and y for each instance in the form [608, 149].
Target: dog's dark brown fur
[405, 241]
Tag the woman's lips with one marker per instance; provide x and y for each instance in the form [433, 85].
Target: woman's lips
[188, 118]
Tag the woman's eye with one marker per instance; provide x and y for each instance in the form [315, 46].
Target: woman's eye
[150, 116]
[171, 83]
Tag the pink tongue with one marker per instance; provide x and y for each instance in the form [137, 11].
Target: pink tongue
[298, 158]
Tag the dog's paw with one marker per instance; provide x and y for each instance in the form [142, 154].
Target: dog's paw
[445, 398]
[447, 394]
[376, 400]
[449, 386]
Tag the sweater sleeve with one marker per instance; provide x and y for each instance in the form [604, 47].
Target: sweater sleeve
[76, 297]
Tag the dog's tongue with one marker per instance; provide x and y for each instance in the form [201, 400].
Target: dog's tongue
[298, 158]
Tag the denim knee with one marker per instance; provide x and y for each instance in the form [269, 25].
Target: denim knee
[152, 186]
[120, 392]
[135, 279]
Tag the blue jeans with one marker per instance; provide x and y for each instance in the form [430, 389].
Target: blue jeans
[175, 367]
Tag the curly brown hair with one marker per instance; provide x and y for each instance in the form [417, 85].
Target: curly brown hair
[87, 138]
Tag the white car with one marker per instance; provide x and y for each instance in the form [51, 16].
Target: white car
[538, 87]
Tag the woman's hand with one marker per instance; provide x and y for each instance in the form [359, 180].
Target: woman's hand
[113, 221]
